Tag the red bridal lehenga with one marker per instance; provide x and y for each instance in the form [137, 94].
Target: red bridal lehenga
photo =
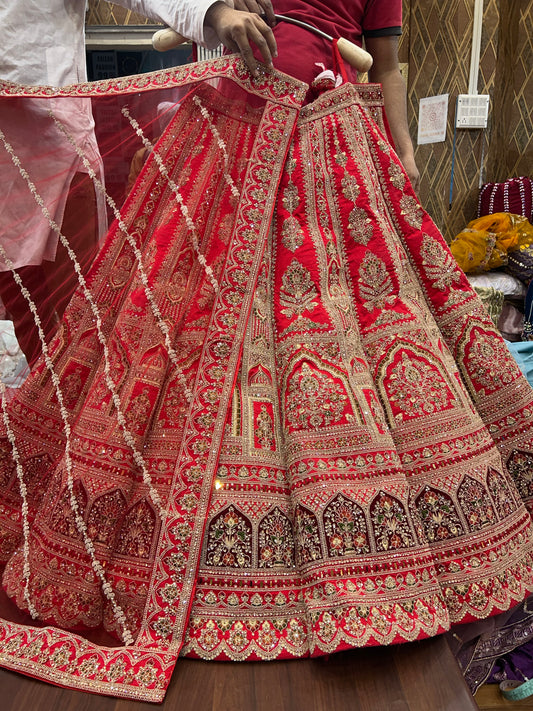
[276, 421]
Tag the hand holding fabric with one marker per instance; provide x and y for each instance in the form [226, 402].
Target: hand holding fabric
[236, 29]
[263, 8]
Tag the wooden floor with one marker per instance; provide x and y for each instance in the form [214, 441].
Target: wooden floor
[488, 698]
[421, 676]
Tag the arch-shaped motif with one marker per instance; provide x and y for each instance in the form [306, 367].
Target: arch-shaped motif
[104, 516]
[37, 474]
[135, 539]
[438, 515]
[346, 528]
[73, 380]
[177, 283]
[229, 540]
[155, 357]
[275, 541]
[502, 494]
[413, 383]
[475, 503]
[316, 394]
[390, 523]
[174, 405]
[140, 406]
[307, 536]
[478, 350]
[520, 467]
[122, 268]
[259, 376]
[62, 519]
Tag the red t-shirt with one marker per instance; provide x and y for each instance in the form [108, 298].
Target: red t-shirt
[299, 49]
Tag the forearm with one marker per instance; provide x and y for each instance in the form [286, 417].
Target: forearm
[394, 94]
[386, 71]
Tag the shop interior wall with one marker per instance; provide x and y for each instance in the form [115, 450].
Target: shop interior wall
[435, 53]
[436, 45]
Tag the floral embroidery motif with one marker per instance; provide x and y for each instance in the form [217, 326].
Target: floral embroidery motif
[439, 264]
[307, 535]
[314, 398]
[488, 358]
[137, 531]
[360, 226]
[345, 528]
[438, 515]
[292, 235]
[350, 187]
[412, 211]
[520, 466]
[415, 387]
[390, 523]
[476, 504]
[264, 428]
[375, 283]
[104, 515]
[229, 540]
[291, 199]
[501, 494]
[62, 519]
[298, 293]
[397, 176]
[276, 544]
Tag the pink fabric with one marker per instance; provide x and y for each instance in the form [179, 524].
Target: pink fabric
[25, 233]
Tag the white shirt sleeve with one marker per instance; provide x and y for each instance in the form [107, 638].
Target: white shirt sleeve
[184, 16]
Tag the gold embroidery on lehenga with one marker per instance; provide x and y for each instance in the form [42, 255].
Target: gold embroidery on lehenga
[438, 515]
[476, 504]
[416, 388]
[375, 284]
[397, 176]
[313, 398]
[307, 536]
[346, 528]
[275, 541]
[412, 211]
[390, 523]
[439, 264]
[298, 293]
[520, 466]
[229, 540]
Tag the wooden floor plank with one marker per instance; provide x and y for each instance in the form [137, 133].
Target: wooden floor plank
[421, 676]
[488, 698]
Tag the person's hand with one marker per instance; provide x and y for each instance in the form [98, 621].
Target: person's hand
[263, 8]
[409, 164]
[236, 29]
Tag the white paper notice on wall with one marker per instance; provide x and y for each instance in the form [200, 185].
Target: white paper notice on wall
[432, 119]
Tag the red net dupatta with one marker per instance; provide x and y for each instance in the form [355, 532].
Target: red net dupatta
[117, 431]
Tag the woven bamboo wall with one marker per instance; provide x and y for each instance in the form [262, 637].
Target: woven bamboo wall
[436, 47]
[511, 147]
[101, 12]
